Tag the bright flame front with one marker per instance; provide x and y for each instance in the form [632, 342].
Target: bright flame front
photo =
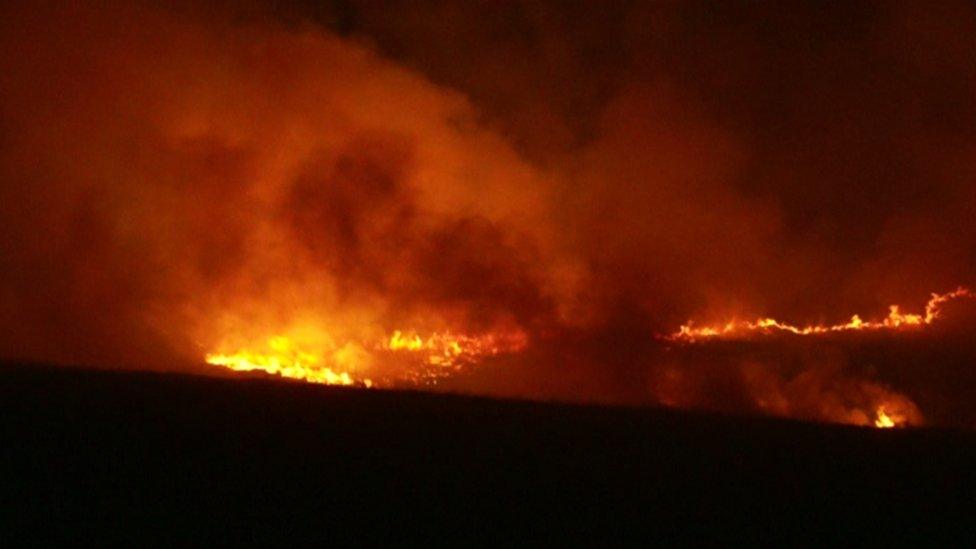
[737, 329]
[281, 356]
[403, 357]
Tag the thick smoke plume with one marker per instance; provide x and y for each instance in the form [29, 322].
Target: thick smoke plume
[178, 180]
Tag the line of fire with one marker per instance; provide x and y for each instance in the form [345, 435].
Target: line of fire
[653, 205]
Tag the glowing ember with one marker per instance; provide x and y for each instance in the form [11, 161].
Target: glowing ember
[736, 329]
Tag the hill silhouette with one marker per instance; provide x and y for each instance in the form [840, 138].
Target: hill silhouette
[144, 456]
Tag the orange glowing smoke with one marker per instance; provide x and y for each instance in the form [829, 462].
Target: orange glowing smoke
[737, 329]
[410, 358]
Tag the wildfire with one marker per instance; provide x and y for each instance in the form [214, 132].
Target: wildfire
[307, 351]
[443, 354]
[442, 349]
[284, 358]
[737, 329]
[885, 421]
[405, 358]
[450, 349]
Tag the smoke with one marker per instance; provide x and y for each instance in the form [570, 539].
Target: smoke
[180, 179]
[163, 169]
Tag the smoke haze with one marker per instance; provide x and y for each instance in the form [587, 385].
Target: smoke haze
[178, 179]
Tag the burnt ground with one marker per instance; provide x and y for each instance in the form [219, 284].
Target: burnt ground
[143, 457]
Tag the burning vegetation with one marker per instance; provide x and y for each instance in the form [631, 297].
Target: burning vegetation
[896, 320]
[255, 190]
[398, 360]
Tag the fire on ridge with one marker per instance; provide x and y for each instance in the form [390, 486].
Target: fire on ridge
[879, 406]
[407, 358]
[896, 320]
[417, 360]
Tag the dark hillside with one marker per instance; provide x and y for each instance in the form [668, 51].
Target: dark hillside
[142, 455]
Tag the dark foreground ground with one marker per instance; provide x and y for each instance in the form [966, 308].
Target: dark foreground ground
[146, 457]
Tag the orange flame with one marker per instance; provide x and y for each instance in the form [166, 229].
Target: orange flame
[443, 354]
[885, 421]
[282, 356]
[736, 329]
[418, 360]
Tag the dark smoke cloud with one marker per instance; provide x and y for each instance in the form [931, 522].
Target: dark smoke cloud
[176, 176]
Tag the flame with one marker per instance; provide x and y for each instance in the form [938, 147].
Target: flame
[412, 358]
[446, 349]
[736, 329]
[884, 421]
[285, 358]
[443, 354]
